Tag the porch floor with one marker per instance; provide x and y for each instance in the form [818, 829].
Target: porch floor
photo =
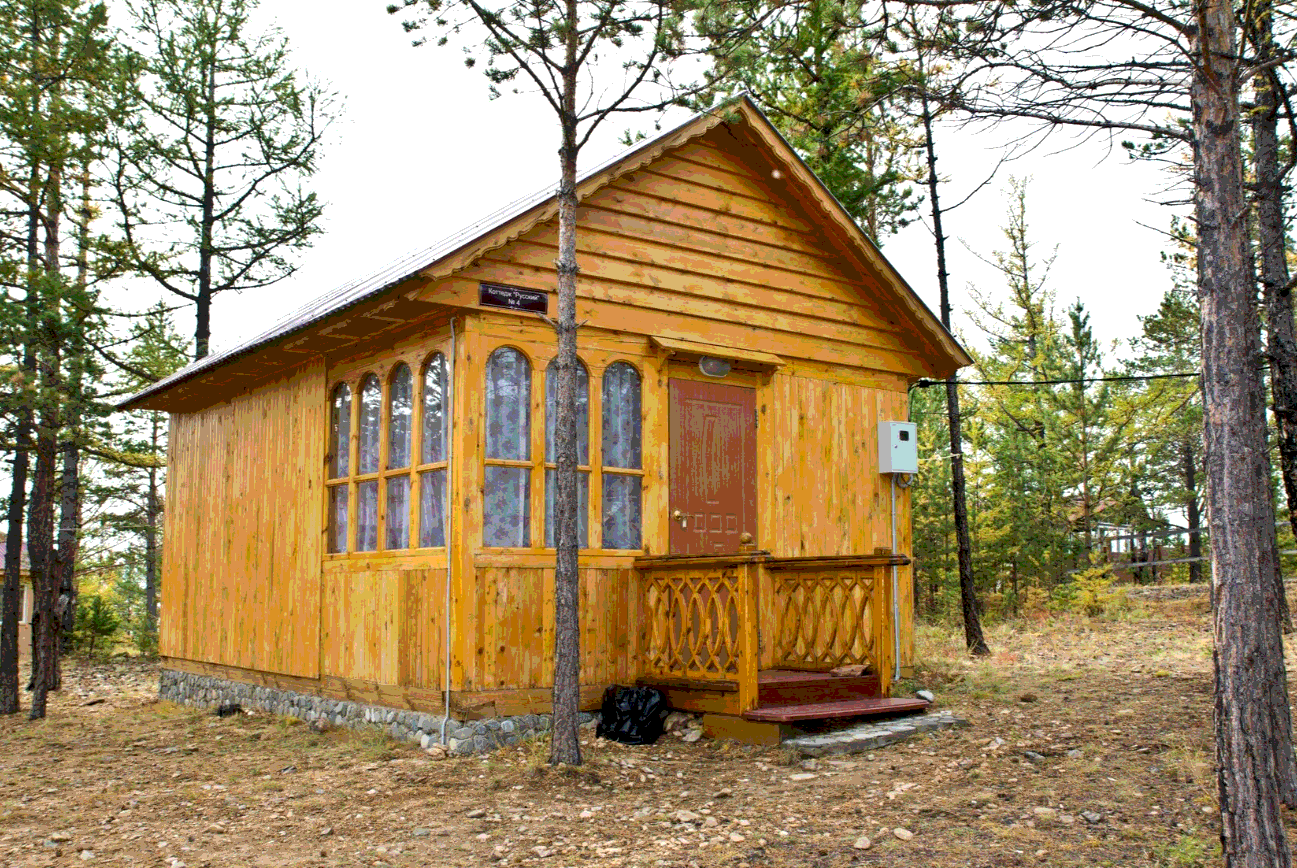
[789, 696]
[834, 710]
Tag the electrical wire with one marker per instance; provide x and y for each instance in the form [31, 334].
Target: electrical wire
[1136, 378]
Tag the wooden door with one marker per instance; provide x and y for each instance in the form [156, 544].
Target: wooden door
[713, 467]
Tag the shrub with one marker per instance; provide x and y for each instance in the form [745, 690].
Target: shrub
[96, 624]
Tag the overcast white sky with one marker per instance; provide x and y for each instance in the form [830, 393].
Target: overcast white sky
[422, 151]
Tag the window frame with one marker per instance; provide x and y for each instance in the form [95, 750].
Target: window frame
[595, 363]
[535, 444]
[621, 471]
[385, 371]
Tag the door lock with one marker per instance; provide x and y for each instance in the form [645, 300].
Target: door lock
[680, 516]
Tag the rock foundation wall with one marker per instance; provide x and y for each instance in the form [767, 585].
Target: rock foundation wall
[462, 737]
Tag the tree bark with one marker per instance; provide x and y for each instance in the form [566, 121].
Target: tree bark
[1281, 336]
[23, 434]
[973, 636]
[1192, 511]
[151, 511]
[566, 746]
[203, 299]
[1254, 754]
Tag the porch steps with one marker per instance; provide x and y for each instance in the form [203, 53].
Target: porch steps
[789, 687]
[834, 710]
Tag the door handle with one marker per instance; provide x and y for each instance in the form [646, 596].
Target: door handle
[678, 515]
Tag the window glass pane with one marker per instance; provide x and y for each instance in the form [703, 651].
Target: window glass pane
[621, 511]
[621, 418]
[582, 508]
[400, 408]
[582, 413]
[398, 513]
[506, 507]
[340, 432]
[371, 399]
[432, 508]
[434, 410]
[367, 516]
[508, 401]
[338, 518]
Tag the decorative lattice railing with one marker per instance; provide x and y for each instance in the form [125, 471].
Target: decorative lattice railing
[700, 627]
[828, 617]
[693, 628]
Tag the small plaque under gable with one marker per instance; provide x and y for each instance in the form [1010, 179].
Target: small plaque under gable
[512, 297]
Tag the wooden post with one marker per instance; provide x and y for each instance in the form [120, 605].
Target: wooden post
[749, 672]
[883, 627]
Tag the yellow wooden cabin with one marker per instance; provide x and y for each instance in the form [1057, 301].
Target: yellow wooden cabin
[356, 506]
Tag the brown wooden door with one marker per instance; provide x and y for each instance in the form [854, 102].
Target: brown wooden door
[713, 467]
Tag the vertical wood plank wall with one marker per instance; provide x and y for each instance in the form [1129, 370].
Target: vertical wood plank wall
[241, 564]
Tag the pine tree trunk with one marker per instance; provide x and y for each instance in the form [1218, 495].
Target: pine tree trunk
[1192, 511]
[1254, 754]
[1281, 336]
[151, 535]
[566, 746]
[14, 542]
[973, 637]
[203, 296]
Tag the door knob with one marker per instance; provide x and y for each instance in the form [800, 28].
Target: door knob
[678, 515]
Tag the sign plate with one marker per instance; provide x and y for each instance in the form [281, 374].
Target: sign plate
[512, 298]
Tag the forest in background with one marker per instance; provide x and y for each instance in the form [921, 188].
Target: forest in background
[110, 230]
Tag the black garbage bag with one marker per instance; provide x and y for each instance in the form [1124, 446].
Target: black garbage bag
[632, 715]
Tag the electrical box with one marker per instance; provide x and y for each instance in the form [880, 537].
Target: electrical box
[898, 447]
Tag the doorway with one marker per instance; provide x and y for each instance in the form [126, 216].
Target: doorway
[713, 443]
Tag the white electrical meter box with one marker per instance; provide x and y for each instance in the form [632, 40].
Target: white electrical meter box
[898, 447]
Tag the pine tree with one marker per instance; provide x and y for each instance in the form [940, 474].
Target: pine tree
[208, 184]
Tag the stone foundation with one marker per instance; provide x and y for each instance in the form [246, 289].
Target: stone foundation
[462, 738]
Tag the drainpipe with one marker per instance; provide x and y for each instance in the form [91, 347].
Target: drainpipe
[450, 488]
[906, 482]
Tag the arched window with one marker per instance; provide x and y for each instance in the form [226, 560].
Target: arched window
[400, 408]
[432, 451]
[582, 453]
[506, 508]
[400, 412]
[339, 464]
[371, 405]
[622, 462]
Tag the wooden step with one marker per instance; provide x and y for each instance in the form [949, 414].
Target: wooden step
[834, 710]
[784, 687]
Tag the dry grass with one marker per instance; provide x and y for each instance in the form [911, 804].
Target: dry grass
[1069, 715]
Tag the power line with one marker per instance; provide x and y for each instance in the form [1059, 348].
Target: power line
[1136, 378]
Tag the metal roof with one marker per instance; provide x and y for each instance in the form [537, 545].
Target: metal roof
[374, 284]
[366, 288]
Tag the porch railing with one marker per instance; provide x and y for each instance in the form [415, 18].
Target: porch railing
[829, 612]
[712, 623]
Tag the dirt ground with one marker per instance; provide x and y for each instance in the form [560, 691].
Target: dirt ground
[1089, 744]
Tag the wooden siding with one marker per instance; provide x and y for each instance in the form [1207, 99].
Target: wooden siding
[698, 245]
[382, 621]
[241, 564]
[514, 627]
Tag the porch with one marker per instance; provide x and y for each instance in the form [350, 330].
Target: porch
[750, 639]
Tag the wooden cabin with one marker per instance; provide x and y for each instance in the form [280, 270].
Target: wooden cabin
[358, 498]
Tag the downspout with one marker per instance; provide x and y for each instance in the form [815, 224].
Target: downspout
[896, 588]
[896, 584]
[450, 501]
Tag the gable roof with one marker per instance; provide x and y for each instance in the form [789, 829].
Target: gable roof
[470, 243]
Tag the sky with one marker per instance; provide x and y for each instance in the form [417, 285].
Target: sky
[421, 150]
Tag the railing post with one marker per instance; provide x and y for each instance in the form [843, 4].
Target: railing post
[749, 653]
[883, 635]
